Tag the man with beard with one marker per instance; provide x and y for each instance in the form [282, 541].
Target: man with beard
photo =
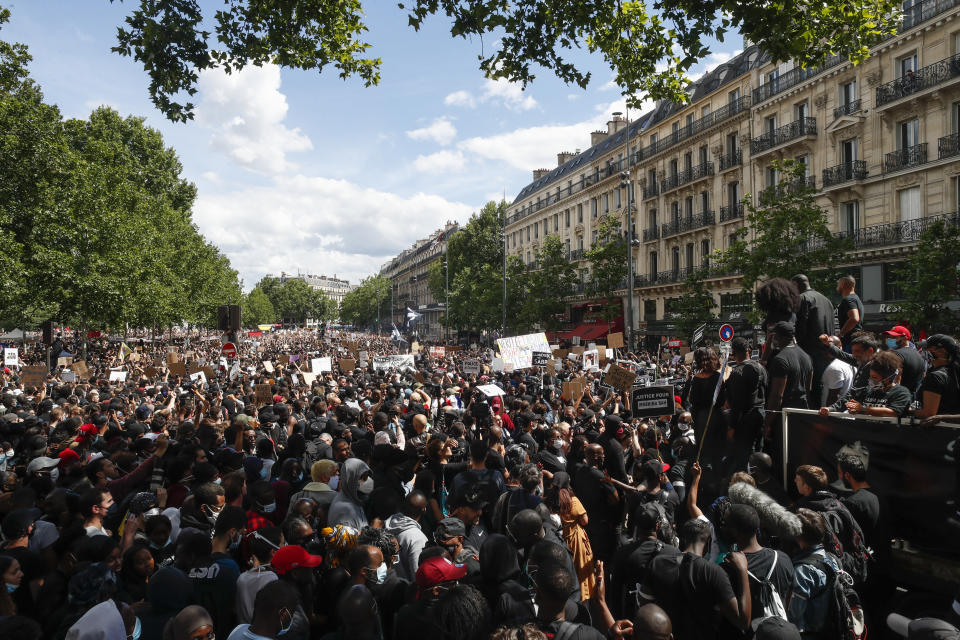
[602, 502]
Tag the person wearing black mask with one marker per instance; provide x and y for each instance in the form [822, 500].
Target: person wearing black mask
[601, 500]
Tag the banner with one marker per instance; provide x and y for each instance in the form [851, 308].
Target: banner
[382, 363]
[913, 469]
[438, 352]
[518, 350]
[652, 401]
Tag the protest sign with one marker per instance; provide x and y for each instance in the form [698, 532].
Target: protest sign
[619, 378]
[497, 364]
[539, 358]
[11, 357]
[268, 366]
[602, 353]
[591, 360]
[518, 350]
[560, 353]
[490, 390]
[321, 365]
[615, 340]
[118, 376]
[284, 359]
[571, 390]
[263, 393]
[575, 340]
[178, 369]
[577, 350]
[471, 366]
[34, 376]
[209, 372]
[199, 377]
[364, 356]
[151, 372]
[437, 352]
[415, 347]
[68, 376]
[309, 378]
[652, 401]
[293, 379]
[80, 368]
[347, 366]
[64, 362]
[382, 363]
[172, 357]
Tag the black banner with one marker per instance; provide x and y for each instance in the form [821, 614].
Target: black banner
[539, 358]
[652, 401]
[912, 468]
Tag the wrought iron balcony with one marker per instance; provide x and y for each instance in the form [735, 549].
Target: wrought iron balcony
[702, 170]
[924, 10]
[904, 158]
[791, 78]
[575, 255]
[689, 223]
[949, 146]
[893, 233]
[731, 211]
[796, 129]
[651, 234]
[772, 194]
[855, 170]
[670, 182]
[727, 111]
[846, 109]
[650, 191]
[924, 78]
[731, 159]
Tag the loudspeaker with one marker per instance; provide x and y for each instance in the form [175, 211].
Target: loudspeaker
[223, 318]
[234, 317]
[48, 332]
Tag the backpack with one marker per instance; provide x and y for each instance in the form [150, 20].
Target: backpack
[501, 508]
[844, 538]
[769, 596]
[845, 619]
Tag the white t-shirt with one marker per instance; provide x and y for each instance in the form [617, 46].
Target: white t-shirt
[837, 375]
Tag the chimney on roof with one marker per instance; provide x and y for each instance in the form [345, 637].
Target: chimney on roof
[617, 123]
[565, 156]
[596, 137]
[539, 173]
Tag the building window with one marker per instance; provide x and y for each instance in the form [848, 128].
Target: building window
[676, 259]
[687, 161]
[688, 207]
[675, 212]
[652, 219]
[805, 161]
[675, 128]
[705, 253]
[653, 263]
[580, 244]
[528, 234]
[850, 217]
[733, 96]
[848, 151]
[536, 231]
[770, 124]
[546, 228]
[704, 154]
[556, 222]
[593, 207]
[704, 201]
[907, 64]
[848, 92]
[801, 110]
[910, 203]
[771, 176]
[566, 218]
[650, 309]
[652, 178]
[731, 240]
[653, 139]
[593, 242]
[674, 169]
[618, 198]
[733, 143]
[733, 193]
[566, 246]
[689, 256]
[580, 213]
[735, 303]
[705, 111]
[606, 203]
[908, 134]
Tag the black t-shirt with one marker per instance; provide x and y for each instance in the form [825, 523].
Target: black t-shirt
[897, 398]
[758, 564]
[745, 386]
[814, 318]
[629, 571]
[593, 493]
[793, 364]
[864, 505]
[913, 367]
[689, 591]
[846, 305]
[942, 381]
[579, 631]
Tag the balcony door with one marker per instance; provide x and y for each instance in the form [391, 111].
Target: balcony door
[910, 203]
[908, 134]
[848, 151]
[850, 217]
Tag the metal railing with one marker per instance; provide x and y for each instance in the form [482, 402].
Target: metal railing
[924, 78]
[731, 159]
[700, 125]
[791, 78]
[731, 211]
[688, 223]
[670, 182]
[904, 158]
[847, 108]
[924, 10]
[949, 145]
[575, 254]
[702, 170]
[855, 170]
[891, 233]
[651, 191]
[772, 194]
[796, 129]
[652, 233]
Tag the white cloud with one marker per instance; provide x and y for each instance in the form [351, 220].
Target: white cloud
[440, 161]
[510, 94]
[311, 223]
[245, 111]
[460, 99]
[212, 176]
[440, 131]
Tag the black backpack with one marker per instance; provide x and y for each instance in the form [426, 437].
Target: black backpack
[844, 538]
[845, 618]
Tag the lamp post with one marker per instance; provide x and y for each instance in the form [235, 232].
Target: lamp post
[627, 182]
[503, 242]
[446, 305]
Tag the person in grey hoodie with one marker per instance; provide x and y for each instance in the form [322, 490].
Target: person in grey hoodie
[356, 485]
[411, 539]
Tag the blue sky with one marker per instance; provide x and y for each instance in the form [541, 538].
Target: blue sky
[300, 171]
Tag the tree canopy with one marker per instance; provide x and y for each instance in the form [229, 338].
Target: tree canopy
[364, 306]
[930, 278]
[650, 45]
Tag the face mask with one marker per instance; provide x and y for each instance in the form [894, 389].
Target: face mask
[54, 474]
[380, 576]
[891, 343]
[217, 480]
[213, 515]
[873, 384]
[270, 508]
[162, 546]
[285, 629]
[366, 487]
[11, 587]
[137, 630]
[558, 444]
[334, 482]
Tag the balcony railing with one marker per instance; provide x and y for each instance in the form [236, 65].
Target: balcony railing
[651, 234]
[772, 194]
[949, 146]
[855, 170]
[689, 223]
[796, 129]
[893, 233]
[791, 78]
[929, 76]
[731, 211]
[924, 10]
[575, 255]
[670, 182]
[700, 125]
[846, 109]
[650, 191]
[904, 158]
[702, 170]
[732, 159]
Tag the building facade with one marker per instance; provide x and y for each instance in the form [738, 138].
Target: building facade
[880, 141]
[409, 288]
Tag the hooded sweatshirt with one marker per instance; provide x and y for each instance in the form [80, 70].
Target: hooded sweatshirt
[102, 622]
[347, 507]
[411, 540]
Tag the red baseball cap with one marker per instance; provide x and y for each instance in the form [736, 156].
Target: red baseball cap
[898, 330]
[292, 556]
[436, 570]
[67, 456]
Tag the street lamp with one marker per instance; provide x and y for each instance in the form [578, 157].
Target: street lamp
[627, 182]
[446, 305]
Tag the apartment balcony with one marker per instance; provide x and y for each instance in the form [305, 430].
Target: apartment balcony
[771, 194]
[847, 109]
[894, 233]
[651, 191]
[731, 212]
[670, 182]
[702, 170]
[855, 170]
[731, 160]
[905, 158]
[790, 79]
[575, 255]
[724, 113]
[924, 10]
[949, 146]
[653, 233]
[689, 223]
[924, 78]
[795, 130]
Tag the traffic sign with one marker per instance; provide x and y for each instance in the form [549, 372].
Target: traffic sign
[229, 350]
[726, 333]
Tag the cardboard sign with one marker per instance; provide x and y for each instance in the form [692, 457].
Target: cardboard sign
[382, 363]
[209, 372]
[415, 347]
[560, 353]
[602, 352]
[490, 390]
[34, 376]
[178, 369]
[347, 366]
[652, 401]
[591, 360]
[64, 362]
[619, 378]
[284, 359]
[11, 357]
[471, 366]
[615, 340]
[268, 366]
[577, 350]
[68, 376]
[572, 390]
[263, 393]
[518, 350]
[80, 368]
[118, 376]
[172, 357]
[309, 378]
[321, 365]
[151, 372]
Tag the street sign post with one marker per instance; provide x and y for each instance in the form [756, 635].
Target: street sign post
[229, 351]
[726, 333]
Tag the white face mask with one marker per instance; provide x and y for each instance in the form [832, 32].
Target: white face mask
[366, 487]
[334, 482]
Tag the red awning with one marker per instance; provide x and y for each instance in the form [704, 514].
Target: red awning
[596, 332]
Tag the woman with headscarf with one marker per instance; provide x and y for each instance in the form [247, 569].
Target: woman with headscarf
[356, 485]
[500, 584]
[573, 518]
[193, 623]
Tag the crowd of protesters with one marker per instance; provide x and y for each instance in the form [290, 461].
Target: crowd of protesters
[407, 503]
